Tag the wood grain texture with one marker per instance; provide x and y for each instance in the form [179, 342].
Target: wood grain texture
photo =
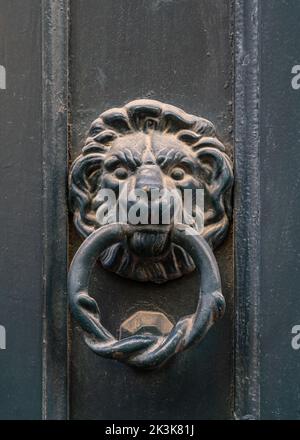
[178, 52]
[280, 209]
[247, 210]
[21, 251]
[54, 115]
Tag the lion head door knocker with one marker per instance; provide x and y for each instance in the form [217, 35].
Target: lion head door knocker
[149, 146]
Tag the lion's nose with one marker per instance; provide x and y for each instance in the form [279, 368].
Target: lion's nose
[157, 206]
[149, 178]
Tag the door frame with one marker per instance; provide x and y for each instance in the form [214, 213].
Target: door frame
[55, 63]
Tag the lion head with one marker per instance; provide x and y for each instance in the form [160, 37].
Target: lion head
[150, 145]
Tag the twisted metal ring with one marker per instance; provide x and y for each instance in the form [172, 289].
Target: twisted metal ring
[145, 351]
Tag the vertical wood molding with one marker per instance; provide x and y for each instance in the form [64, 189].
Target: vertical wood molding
[247, 210]
[55, 164]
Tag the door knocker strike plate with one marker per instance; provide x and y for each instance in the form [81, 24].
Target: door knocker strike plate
[149, 150]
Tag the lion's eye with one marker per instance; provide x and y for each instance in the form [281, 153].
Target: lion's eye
[121, 173]
[177, 174]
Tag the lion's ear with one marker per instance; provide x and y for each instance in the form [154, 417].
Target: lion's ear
[216, 167]
[84, 180]
[217, 177]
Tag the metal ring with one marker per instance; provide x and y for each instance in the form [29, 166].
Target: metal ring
[143, 350]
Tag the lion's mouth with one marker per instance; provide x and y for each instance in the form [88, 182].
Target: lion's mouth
[149, 242]
[147, 253]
